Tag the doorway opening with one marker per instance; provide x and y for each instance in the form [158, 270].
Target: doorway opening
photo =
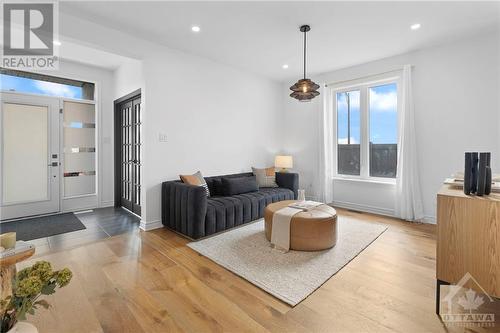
[47, 144]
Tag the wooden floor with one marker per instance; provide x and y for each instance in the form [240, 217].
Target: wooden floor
[152, 282]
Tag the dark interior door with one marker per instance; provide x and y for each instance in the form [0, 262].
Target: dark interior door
[128, 118]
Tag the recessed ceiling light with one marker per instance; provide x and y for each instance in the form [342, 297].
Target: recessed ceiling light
[195, 28]
[415, 26]
[285, 66]
[56, 43]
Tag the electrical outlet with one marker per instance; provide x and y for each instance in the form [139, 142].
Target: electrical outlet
[162, 137]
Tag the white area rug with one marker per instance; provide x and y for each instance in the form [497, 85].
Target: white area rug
[290, 276]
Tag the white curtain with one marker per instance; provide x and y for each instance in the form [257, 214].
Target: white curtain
[408, 196]
[325, 171]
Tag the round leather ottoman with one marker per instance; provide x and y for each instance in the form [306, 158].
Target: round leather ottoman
[313, 230]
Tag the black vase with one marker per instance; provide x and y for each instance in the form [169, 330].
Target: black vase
[481, 173]
[468, 174]
[473, 176]
[487, 187]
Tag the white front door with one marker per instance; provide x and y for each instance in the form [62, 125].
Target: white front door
[29, 155]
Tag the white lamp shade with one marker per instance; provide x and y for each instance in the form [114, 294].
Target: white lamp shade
[283, 161]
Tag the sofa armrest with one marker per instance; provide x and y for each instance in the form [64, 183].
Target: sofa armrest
[288, 180]
[183, 208]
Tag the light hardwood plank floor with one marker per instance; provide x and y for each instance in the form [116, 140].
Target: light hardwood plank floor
[152, 282]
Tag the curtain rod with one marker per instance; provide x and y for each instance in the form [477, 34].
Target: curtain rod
[366, 76]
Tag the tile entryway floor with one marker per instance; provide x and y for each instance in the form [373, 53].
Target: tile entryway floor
[100, 223]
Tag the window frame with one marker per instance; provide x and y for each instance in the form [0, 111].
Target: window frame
[363, 85]
[60, 79]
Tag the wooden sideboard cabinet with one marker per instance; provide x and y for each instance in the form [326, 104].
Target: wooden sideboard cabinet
[468, 240]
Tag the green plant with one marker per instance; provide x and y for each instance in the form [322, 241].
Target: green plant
[29, 284]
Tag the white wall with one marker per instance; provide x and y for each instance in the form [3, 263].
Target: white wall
[217, 119]
[457, 109]
[128, 78]
[220, 120]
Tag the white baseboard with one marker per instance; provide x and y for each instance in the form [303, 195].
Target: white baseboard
[364, 208]
[109, 203]
[147, 226]
[78, 209]
[429, 219]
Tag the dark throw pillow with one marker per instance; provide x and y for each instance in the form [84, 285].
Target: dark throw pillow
[240, 185]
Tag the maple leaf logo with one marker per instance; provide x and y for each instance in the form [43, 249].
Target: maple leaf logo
[470, 301]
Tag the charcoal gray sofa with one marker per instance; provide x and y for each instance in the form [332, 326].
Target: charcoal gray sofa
[187, 210]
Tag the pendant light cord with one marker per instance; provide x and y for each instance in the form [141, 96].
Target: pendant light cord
[305, 32]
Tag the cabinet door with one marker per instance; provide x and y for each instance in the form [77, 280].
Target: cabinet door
[469, 241]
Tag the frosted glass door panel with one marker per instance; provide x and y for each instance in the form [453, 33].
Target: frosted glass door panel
[25, 153]
[79, 149]
[79, 185]
[79, 162]
[79, 112]
[79, 137]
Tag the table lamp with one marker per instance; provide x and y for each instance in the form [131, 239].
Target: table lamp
[283, 162]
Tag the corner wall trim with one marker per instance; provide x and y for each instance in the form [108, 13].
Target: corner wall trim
[147, 226]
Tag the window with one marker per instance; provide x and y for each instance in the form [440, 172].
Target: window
[348, 133]
[366, 116]
[383, 127]
[33, 83]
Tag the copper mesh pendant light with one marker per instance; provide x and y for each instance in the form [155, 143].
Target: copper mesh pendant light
[305, 89]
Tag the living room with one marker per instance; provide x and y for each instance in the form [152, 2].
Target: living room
[184, 148]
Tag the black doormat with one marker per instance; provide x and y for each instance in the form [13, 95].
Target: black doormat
[45, 226]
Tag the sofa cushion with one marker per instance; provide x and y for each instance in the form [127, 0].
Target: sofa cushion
[233, 186]
[217, 187]
[197, 180]
[265, 177]
[215, 182]
[226, 212]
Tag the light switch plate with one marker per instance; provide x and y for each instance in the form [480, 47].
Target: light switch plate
[162, 137]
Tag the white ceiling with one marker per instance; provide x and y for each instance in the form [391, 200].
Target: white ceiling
[75, 51]
[262, 36]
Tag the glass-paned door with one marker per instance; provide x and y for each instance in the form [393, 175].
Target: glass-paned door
[30, 183]
[130, 154]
